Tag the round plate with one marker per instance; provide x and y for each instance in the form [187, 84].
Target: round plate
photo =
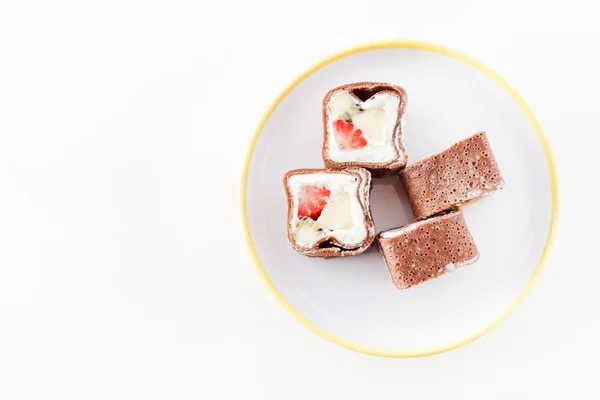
[351, 301]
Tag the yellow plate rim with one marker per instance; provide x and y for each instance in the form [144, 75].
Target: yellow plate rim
[475, 64]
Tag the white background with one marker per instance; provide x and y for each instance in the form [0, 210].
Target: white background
[123, 272]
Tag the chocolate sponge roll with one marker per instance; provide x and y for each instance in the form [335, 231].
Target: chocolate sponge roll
[329, 212]
[427, 249]
[464, 172]
[362, 124]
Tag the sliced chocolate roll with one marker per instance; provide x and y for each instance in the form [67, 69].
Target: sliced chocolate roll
[427, 249]
[464, 172]
[329, 213]
[363, 127]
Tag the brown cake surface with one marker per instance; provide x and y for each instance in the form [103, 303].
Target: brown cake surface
[464, 172]
[427, 249]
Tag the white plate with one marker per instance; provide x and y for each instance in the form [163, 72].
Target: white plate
[351, 301]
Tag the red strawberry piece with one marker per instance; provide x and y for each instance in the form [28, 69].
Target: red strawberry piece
[311, 201]
[347, 136]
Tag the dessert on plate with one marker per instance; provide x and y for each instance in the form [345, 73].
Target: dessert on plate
[427, 249]
[464, 172]
[363, 127]
[329, 209]
[329, 212]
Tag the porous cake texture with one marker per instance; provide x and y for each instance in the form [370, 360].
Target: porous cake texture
[427, 249]
[464, 172]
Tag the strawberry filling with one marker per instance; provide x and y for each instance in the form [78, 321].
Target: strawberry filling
[311, 201]
[347, 136]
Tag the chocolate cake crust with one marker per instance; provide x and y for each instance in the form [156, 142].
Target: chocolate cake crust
[464, 172]
[427, 249]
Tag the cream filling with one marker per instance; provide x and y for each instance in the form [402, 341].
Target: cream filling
[342, 218]
[392, 233]
[377, 119]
